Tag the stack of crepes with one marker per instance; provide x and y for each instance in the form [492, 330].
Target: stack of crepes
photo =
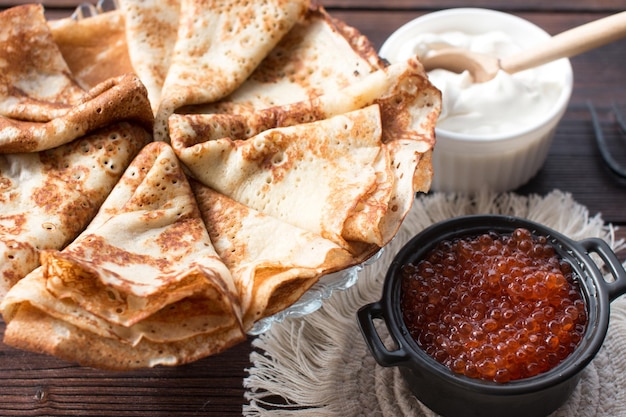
[172, 172]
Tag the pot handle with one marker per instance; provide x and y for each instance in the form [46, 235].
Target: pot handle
[601, 248]
[383, 356]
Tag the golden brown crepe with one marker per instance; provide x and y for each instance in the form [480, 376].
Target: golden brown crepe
[115, 100]
[269, 278]
[218, 45]
[47, 198]
[310, 175]
[35, 82]
[39, 332]
[143, 279]
[41, 104]
[93, 48]
[319, 55]
[151, 28]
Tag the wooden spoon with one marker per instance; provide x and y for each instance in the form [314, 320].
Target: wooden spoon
[572, 42]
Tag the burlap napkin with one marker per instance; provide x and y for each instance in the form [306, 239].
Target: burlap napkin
[319, 365]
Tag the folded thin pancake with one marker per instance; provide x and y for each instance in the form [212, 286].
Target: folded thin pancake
[41, 105]
[47, 198]
[115, 100]
[310, 175]
[269, 276]
[144, 274]
[32, 329]
[95, 48]
[146, 248]
[218, 45]
[35, 81]
[151, 28]
[409, 116]
[319, 55]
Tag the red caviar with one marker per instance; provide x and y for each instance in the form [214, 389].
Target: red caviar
[494, 306]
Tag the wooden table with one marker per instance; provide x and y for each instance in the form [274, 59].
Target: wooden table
[36, 385]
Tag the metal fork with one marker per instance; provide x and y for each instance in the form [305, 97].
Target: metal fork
[85, 10]
[617, 168]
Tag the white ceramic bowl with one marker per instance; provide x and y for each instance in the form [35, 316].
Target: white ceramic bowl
[495, 162]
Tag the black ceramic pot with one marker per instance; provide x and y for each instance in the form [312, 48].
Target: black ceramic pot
[451, 394]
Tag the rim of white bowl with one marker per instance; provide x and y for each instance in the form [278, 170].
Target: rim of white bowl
[554, 113]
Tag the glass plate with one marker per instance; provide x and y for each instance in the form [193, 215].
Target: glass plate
[313, 299]
[86, 10]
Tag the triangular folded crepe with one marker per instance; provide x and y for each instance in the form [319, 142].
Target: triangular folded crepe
[269, 277]
[319, 55]
[35, 81]
[47, 198]
[32, 329]
[41, 104]
[323, 68]
[311, 175]
[115, 100]
[409, 107]
[93, 48]
[218, 47]
[151, 28]
[142, 282]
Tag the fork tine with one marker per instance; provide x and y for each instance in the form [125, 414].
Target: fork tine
[620, 119]
[84, 10]
[613, 165]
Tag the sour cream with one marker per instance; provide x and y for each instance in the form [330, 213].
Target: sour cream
[507, 103]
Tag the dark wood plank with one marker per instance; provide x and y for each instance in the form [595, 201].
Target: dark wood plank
[536, 5]
[575, 165]
[554, 5]
[63, 8]
[32, 384]
[56, 9]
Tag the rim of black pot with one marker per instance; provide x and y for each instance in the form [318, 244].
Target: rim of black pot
[595, 294]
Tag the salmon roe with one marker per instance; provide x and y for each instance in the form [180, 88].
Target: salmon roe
[494, 306]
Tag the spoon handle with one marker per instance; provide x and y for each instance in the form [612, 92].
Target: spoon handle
[569, 43]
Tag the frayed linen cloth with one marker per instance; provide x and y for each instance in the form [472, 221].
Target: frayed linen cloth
[319, 365]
